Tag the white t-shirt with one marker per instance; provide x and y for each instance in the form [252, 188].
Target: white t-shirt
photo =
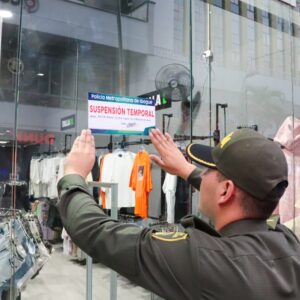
[37, 187]
[169, 188]
[44, 175]
[117, 168]
[34, 177]
[54, 169]
[61, 168]
[34, 171]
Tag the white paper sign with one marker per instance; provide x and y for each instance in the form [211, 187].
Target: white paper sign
[111, 114]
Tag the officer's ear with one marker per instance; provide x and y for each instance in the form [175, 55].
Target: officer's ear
[227, 191]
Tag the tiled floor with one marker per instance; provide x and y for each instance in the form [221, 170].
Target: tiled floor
[64, 279]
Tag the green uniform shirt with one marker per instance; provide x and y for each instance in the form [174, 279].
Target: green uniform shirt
[246, 260]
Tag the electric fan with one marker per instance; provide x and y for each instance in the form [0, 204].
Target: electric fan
[174, 82]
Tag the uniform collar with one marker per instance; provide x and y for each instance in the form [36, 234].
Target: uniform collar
[195, 222]
[244, 226]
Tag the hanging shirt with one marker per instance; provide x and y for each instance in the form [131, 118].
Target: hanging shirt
[35, 178]
[102, 192]
[56, 162]
[169, 188]
[45, 172]
[117, 168]
[141, 183]
[44, 165]
[288, 135]
[95, 177]
[61, 168]
[182, 202]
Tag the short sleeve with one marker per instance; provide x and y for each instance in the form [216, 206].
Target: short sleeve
[149, 177]
[133, 176]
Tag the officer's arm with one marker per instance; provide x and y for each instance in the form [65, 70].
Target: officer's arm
[136, 253]
[195, 179]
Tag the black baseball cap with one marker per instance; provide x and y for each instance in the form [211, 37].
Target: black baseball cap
[253, 162]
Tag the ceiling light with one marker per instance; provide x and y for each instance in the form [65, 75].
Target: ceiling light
[5, 13]
[3, 142]
[40, 74]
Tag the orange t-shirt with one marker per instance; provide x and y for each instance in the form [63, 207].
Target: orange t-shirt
[141, 183]
[102, 194]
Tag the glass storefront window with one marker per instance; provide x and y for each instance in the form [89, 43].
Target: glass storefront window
[222, 64]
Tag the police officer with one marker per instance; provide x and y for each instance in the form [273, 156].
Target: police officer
[241, 258]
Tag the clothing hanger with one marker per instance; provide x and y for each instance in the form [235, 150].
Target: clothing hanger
[16, 182]
[42, 157]
[142, 146]
[118, 150]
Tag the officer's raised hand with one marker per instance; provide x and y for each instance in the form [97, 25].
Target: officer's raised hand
[81, 158]
[171, 159]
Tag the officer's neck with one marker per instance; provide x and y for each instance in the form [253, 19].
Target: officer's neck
[228, 216]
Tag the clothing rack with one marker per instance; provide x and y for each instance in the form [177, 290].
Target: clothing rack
[9, 212]
[20, 228]
[177, 138]
[50, 140]
[14, 182]
[50, 151]
[180, 137]
[64, 151]
[66, 140]
[109, 147]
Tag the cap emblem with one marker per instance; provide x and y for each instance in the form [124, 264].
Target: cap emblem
[225, 140]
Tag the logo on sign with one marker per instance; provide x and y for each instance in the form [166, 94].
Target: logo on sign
[161, 101]
[68, 122]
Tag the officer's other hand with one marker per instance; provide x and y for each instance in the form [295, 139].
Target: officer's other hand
[171, 159]
[81, 158]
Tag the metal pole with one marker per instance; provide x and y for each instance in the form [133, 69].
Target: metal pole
[76, 87]
[114, 215]
[89, 278]
[225, 130]
[217, 131]
[191, 70]
[163, 173]
[89, 260]
[209, 65]
[12, 293]
[190, 202]
[121, 55]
